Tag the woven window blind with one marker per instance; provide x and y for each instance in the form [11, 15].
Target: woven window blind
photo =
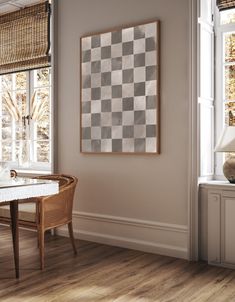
[225, 4]
[25, 39]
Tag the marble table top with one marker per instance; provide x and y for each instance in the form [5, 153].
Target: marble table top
[21, 188]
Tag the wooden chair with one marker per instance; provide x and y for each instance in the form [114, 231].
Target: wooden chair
[45, 213]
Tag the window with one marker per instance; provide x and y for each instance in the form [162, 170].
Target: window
[225, 77]
[25, 119]
[216, 85]
[25, 87]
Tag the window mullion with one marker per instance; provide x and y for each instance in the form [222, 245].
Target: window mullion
[13, 125]
[30, 121]
[28, 78]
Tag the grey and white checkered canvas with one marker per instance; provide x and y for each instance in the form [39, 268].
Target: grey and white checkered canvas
[119, 105]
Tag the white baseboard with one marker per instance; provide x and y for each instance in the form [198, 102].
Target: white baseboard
[148, 236]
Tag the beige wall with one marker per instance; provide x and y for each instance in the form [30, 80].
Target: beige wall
[143, 188]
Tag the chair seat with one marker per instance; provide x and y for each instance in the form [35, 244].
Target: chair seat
[27, 212]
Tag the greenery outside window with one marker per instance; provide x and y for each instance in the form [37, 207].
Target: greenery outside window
[26, 119]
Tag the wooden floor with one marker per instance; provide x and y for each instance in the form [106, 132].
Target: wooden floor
[105, 273]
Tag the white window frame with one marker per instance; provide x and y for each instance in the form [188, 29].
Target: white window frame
[205, 89]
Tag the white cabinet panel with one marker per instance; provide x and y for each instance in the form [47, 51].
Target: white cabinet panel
[214, 205]
[220, 224]
[228, 230]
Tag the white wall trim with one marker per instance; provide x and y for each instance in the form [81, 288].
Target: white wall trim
[193, 159]
[144, 235]
[130, 221]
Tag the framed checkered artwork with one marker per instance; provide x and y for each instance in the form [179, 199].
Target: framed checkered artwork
[120, 90]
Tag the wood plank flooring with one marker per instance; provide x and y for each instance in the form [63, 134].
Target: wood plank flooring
[104, 273]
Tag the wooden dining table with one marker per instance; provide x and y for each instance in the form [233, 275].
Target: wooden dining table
[14, 189]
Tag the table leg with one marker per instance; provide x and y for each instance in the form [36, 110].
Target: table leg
[15, 233]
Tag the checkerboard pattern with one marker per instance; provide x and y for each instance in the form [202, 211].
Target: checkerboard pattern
[119, 91]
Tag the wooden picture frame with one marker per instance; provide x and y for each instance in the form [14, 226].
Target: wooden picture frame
[120, 90]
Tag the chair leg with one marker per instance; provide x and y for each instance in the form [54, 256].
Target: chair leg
[70, 228]
[38, 237]
[41, 248]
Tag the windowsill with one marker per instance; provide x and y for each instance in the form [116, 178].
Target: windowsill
[212, 178]
[216, 183]
[30, 173]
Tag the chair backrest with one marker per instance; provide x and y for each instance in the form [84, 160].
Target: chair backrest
[63, 179]
[59, 206]
[66, 182]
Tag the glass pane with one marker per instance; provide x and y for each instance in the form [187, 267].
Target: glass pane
[43, 151]
[7, 117]
[6, 81]
[43, 95]
[230, 113]
[6, 151]
[20, 98]
[21, 80]
[229, 47]
[6, 131]
[17, 151]
[22, 149]
[229, 120]
[40, 106]
[10, 107]
[227, 16]
[43, 128]
[230, 83]
[21, 131]
[42, 77]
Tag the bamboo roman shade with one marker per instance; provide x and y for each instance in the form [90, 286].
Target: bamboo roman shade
[225, 4]
[25, 39]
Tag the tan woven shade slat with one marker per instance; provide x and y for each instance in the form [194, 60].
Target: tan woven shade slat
[25, 39]
[225, 4]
